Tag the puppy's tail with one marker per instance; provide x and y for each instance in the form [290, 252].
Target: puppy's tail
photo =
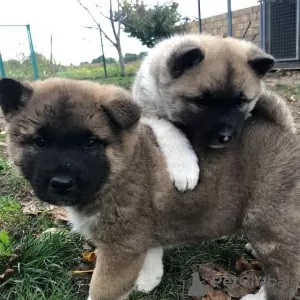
[273, 107]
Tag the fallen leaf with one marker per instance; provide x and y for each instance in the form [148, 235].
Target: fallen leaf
[256, 266]
[8, 272]
[215, 295]
[247, 283]
[234, 286]
[58, 214]
[29, 207]
[82, 272]
[249, 279]
[89, 256]
[35, 207]
[213, 275]
[241, 264]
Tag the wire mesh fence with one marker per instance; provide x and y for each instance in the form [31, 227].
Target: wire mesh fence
[282, 28]
[271, 24]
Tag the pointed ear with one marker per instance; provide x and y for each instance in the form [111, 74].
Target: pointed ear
[184, 59]
[261, 63]
[125, 113]
[13, 96]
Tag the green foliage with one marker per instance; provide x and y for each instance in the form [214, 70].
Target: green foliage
[5, 243]
[11, 215]
[130, 57]
[22, 70]
[142, 55]
[99, 60]
[149, 24]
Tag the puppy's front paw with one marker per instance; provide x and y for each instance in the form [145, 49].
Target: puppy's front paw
[182, 161]
[184, 171]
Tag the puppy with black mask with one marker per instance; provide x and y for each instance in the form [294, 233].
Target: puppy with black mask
[198, 89]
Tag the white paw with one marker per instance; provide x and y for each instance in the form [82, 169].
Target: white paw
[251, 250]
[151, 272]
[184, 172]
[89, 298]
[260, 295]
[182, 161]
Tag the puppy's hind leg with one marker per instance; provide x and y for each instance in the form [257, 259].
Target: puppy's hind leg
[152, 271]
[281, 263]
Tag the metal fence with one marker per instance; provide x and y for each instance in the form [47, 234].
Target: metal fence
[274, 25]
[282, 29]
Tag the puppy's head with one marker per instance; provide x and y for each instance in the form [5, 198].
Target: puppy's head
[210, 84]
[68, 138]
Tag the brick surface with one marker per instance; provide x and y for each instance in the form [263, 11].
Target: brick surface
[217, 25]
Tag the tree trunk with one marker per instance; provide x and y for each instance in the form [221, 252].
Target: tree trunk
[121, 59]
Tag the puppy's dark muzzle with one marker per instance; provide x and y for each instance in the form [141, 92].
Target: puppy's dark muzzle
[223, 138]
[62, 183]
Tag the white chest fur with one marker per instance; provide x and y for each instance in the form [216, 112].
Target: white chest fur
[82, 223]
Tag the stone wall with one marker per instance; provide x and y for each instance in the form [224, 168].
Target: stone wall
[241, 20]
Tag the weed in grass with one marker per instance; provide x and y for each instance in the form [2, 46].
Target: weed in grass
[5, 244]
[12, 218]
[42, 270]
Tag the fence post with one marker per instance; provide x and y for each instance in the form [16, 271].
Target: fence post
[199, 18]
[262, 24]
[229, 18]
[2, 70]
[32, 53]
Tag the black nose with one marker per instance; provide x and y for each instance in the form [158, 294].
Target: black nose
[62, 183]
[225, 136]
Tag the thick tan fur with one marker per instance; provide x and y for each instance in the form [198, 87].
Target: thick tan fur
[253, 186]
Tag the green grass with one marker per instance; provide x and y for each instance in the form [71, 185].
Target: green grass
[42, 269]
[124, 82]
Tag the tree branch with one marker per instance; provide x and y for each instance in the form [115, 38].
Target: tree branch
[100, 12]
[119, 21]
[84, 7]
[111, 18]
[97, 24]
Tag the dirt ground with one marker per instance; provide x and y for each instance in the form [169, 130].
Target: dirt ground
[287, 84]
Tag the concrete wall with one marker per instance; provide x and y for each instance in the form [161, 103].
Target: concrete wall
[241, 19]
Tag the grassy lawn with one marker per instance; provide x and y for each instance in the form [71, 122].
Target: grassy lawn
[124, 82]
[37, 265]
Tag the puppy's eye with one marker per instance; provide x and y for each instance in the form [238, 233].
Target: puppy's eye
[91, 144]
[39, 142]
[206, 94]
[242, 98]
